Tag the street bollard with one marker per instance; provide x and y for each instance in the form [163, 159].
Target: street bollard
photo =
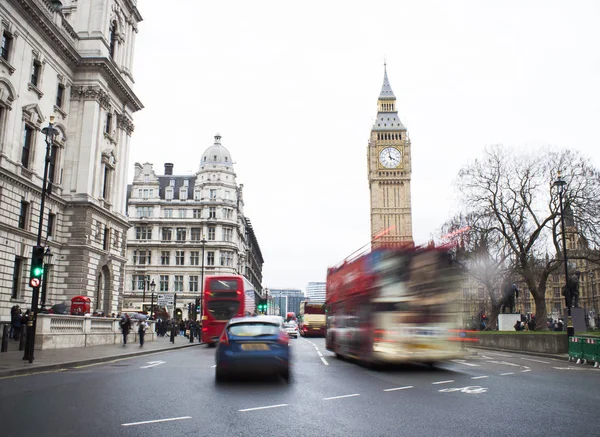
[4, 339]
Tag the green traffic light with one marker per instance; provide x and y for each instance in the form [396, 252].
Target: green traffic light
[38, 272]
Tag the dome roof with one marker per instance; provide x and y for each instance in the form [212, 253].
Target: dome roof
[216, 154]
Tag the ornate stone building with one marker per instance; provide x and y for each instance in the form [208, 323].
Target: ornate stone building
[389, 163]
[71, 60]
[185, 227]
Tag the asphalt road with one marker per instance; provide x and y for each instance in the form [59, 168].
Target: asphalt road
[174, 394]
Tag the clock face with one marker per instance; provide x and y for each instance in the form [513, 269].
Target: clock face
[390, 157]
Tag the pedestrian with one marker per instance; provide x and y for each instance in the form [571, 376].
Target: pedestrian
[125, 324]
[142, 331]
[15, 322]
[174, 327]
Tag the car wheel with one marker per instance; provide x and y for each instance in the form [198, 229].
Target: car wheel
[286, 375]
[219, 375]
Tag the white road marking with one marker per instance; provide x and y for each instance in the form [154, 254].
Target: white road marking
[340, 397]
[465, 363]
[318, 352]
[324, 361]
[570, 368]
[399, 388]
[153, 364]
[156, 421]
[499, 355]
[443, 382]
[507, 373]
[264, 408]
[475, 389]
[479, 377]
[537, 361]
[214, 366]
[505, 363]
[526, 370]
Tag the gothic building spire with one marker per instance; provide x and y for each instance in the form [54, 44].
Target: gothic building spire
[386, 89]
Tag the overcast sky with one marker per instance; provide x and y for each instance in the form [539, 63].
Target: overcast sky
[292, 88]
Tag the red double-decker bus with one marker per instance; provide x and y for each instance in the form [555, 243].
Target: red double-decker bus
[225, 296]
[394, 305]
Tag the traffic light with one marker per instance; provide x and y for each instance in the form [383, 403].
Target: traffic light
[37, 266]
[197, 305]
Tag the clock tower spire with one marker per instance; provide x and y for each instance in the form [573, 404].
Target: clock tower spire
[389, 164]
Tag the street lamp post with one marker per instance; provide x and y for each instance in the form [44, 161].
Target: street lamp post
[47, 264]
[50, 132]
[151, 287]
[560, 184]
[203, 242]
[593, 291]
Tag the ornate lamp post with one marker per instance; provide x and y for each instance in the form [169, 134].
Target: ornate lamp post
[203, 242]
[560, 184]
[47, 264]
[50, 132]
[593, 292]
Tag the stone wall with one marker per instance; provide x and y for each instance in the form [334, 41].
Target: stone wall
[543, 343]
[61, 331]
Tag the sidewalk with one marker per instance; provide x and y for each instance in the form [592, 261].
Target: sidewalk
[12, 363]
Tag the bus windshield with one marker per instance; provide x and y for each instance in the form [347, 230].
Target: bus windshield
[223, 284]
[314, 308]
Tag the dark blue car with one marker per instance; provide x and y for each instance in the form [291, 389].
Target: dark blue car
[256, 344]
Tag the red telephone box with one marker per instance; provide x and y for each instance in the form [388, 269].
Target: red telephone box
[80, 305]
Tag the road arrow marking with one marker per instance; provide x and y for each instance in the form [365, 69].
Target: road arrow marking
[465, 363]
[153, 364]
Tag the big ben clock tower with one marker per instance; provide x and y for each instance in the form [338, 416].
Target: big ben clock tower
[389, 174]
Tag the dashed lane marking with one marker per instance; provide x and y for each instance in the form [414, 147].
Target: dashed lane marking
[507, 373]
[443, 382]
[318, 352]
[156, 421]
[537, 361]
[340, 397]
[465, 363]
[324, 361]
[479, 377]
[400, 388]
[264, 408]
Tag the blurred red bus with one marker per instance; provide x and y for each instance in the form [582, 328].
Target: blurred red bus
[394, 305]
[225, 297]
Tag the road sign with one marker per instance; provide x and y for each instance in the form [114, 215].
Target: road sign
[165, 300]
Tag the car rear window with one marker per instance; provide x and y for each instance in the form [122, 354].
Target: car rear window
[253, 329]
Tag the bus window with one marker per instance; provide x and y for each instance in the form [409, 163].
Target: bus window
[223, 284]
[223, 309]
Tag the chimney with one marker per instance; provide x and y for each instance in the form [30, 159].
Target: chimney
[168, 169]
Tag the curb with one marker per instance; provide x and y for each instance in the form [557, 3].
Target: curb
[71, 364]
[535, 354]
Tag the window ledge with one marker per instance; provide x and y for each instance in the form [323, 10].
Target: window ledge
[109, 138]
[60, 111]
[32, 87]
[10, 68]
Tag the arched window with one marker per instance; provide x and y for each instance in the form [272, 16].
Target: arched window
[112, 39]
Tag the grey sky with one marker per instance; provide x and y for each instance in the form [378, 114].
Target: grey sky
[292, 88]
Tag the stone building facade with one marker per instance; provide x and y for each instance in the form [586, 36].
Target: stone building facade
[70, 60]
[185, 227]
[389, 164]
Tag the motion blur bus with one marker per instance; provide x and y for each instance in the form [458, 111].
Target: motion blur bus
[225, 296]
[394, 305]
[311, 318]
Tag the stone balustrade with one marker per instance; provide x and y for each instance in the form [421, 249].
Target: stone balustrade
[55, 331]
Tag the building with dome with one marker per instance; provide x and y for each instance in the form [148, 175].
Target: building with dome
[184, 227]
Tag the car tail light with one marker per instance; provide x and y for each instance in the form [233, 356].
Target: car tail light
[224, 338]
[283, 338]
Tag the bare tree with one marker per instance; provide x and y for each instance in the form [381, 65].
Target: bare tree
[481, 254]
[512, 197]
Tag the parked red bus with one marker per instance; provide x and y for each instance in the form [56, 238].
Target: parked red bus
[394, 305]
[312, 318]
[225, 296]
